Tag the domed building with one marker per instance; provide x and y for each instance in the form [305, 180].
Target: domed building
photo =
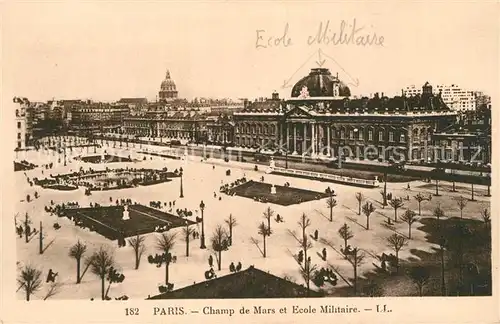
[320, 83]
[168, 89]
[321, 120]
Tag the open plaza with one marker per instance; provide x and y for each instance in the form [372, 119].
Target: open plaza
[186, 199]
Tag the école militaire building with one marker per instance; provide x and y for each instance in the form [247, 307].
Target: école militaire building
[320, 118]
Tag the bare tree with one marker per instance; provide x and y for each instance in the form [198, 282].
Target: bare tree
[165, 243]
[77, 251]
[268, 214]
[137, 243]
[304, 223]
[187, 232]
[437, 188]
[355, 257]
[396, 203]
[368, 209]
[420, 276]
[219, 243]
[264, 231]
[30, 280]
[438, 213]
[442, 245]
[384, 192]
[231, 223]
[462, 203]
[53, 290]
[485, 215]
[419, 198]
[359, 198]
[100, 263]
[307, 272]
[409, 217]
[396, 242]
[331, 202]
[472, 192]
[345, 233]
[27, 229]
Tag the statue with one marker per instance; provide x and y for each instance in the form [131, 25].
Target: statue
[273, 189]
[125, 213]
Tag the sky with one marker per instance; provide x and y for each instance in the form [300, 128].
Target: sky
[108, 50]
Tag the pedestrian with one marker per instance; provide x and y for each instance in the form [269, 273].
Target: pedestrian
[324, 254]
[211, 261]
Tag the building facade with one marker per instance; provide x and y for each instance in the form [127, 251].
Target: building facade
[98, 112]
[23, 122]
[176, 125]
[320, 119]
[453, 96]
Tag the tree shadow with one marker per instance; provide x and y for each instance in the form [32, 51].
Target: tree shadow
[256, 243]
[355, 221]
[322, 214]
[48, 245]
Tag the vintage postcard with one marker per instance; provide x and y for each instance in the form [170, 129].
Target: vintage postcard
[267, 162]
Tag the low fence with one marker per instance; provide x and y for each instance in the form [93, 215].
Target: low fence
[325, 176]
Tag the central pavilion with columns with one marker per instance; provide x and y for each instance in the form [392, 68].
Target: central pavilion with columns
[321, 120]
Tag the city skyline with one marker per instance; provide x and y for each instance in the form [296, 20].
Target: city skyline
[106, 52]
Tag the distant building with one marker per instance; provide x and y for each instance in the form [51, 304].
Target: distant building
[136, 105]
[249, 283]
[453, 96]
[100, 113]
[171, 125]
[23, 122]
[168, 89]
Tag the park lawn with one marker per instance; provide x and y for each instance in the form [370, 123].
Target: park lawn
[284, 196]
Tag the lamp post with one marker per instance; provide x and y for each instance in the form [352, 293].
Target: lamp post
[182, 188]
[202, 243]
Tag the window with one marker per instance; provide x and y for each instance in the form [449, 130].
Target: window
[342, 134]
[370, 135]
[18, 144]
[18, 135]
[18, 124]
[402, 138]
[351, 134]
[391, 136]
[380, 135]
[360, 135]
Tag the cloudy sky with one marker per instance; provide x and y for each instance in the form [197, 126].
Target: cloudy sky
[109, 50]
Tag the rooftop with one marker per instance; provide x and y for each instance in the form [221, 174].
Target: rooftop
[249, 283]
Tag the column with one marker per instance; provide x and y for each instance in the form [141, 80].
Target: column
[287, 137]
[304, 139]
[328, 139]
[295, 138]
[313, 139]
[280, 130]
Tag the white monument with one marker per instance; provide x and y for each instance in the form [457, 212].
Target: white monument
[273, 189]
[125, 213]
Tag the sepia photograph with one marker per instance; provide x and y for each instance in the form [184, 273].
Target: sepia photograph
[300, 158]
